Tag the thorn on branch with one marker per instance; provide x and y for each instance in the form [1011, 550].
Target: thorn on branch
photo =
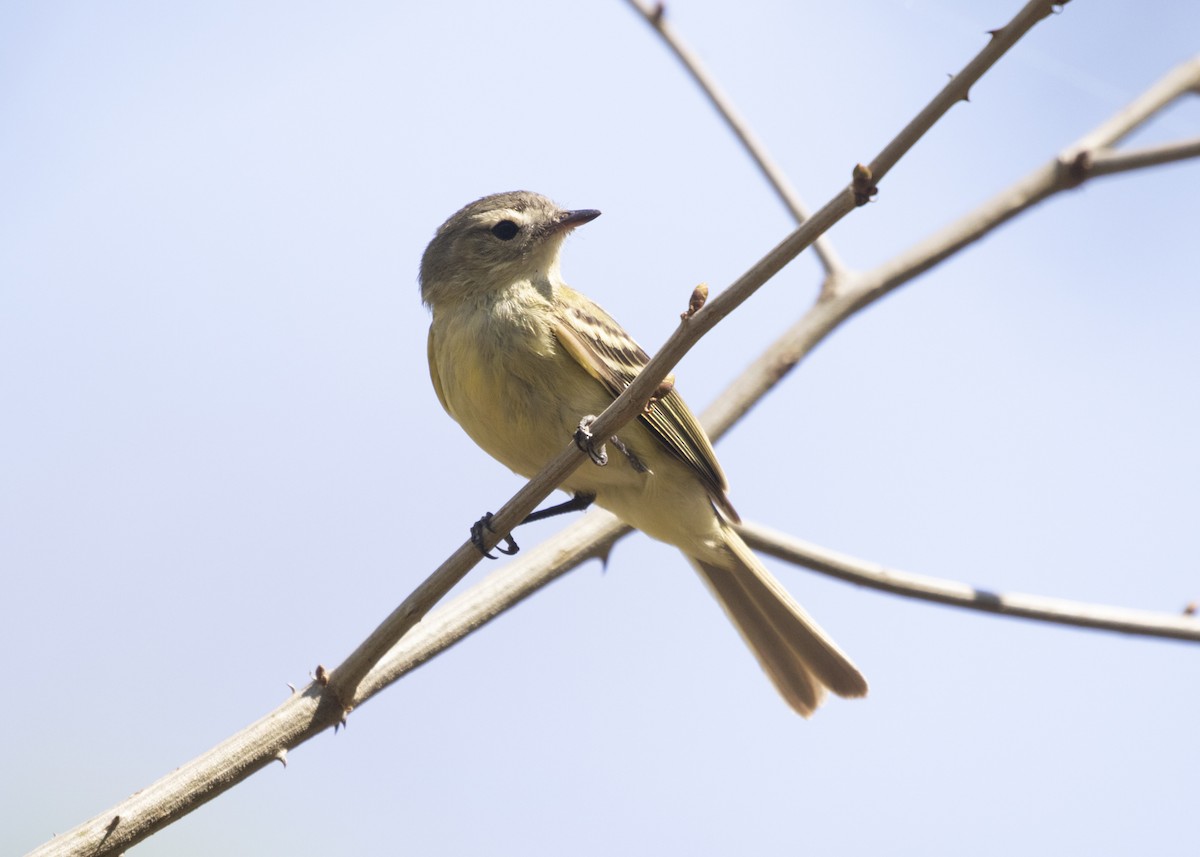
[281, 756]
[863, 185]
[995, 32]
[696, 302]
[966, 96]
[1191, 609]
[658, 13]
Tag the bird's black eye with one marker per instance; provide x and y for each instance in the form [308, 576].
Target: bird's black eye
[505, 230]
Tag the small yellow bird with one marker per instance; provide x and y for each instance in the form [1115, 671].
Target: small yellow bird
[518, 358]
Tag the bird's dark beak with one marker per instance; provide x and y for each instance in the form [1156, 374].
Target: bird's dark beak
[568, 220]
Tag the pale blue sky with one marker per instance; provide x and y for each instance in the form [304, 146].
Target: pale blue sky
[222, 461]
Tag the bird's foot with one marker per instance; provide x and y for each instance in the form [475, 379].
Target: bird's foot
[508, 548]
[587, 442]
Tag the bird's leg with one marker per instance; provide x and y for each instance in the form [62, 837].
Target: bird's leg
[508, 548]
[585, 441]
[580, 501]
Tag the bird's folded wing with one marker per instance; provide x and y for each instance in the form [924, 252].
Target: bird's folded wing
[609, 354]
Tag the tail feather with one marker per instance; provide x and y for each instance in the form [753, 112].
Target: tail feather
[798, 656]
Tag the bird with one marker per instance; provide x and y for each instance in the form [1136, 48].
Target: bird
[518, 359]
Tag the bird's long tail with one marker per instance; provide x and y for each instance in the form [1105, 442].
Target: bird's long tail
[799, 657]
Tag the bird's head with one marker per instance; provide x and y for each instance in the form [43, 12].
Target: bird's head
[494, 241]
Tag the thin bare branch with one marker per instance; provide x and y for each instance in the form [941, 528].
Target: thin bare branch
[195, 783]
[1077, 163]
[959, 87]
[656, 17]
[857, 290]
[591, 537]
[1179, 81]
[1057, 610]
[1110, 161]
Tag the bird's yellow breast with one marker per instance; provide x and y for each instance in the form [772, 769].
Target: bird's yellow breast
[501, 374]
